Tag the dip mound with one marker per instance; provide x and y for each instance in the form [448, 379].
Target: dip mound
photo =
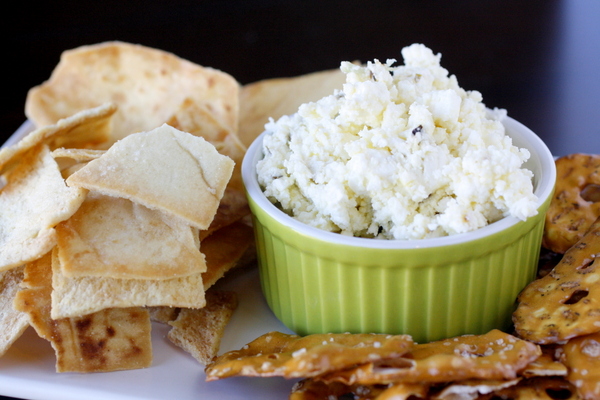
[401, 152]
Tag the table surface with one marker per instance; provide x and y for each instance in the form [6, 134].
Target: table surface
[538, 59]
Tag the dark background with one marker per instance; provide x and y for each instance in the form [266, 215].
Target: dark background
[537, 59]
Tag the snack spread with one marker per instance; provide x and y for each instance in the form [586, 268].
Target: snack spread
[96, 243]
[401, 152]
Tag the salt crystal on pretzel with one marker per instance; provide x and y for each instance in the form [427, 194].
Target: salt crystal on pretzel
[494, 355]
[566, 302]
[582, 357]
[575, 205]
[293, 356]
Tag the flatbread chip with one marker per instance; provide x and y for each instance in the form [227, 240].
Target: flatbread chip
[565, 303]
[12, 322]
[77, 155]
[232, 208]
[115, 238]
[494, 355]
[199, 331]
[163, 169]
[85, 295]
[163, 314]
[224, 249]
[33, 201]
[86, 128]
[581, 355]
[147, 84]
[199, 120]
[109, 340]
[293, 356]
[273, 98]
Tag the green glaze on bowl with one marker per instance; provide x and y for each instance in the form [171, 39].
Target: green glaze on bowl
[317, 281]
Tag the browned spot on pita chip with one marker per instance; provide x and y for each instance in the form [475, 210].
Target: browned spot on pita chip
[109, 340]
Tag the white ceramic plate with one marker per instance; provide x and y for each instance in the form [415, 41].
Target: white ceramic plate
[27, 369]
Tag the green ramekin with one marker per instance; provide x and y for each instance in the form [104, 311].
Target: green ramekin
[317, 281]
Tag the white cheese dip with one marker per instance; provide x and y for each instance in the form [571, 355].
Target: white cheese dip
[401, 152]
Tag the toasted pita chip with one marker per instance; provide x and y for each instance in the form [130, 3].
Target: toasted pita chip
[565, 303]
[147, 84]
[109, 340]
[224, 249]
[12, 322]
[86, 128]
[198, 120]
[33, 201]
[273, 98]
[71, 160]
[195, 116]
[581, 355]
[199, 331]
[85, 295]
[163, 169]
[116, 238]
[163, 314]
[293, 356]
[77, 155]
[232, 208]
[492, 356]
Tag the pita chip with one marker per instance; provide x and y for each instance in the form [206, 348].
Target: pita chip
[84, 295]
[163, 169]
[12, 322]
[33, 201]
[109, 340]
[147, 85]
[115, 238]
[198, 120]
[273, 98]
[199, 331]
[84, 129]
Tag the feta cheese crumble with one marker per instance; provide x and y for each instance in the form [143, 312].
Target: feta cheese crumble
[400, 152]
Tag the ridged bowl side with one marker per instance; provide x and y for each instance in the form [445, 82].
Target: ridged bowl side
[429, 293]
